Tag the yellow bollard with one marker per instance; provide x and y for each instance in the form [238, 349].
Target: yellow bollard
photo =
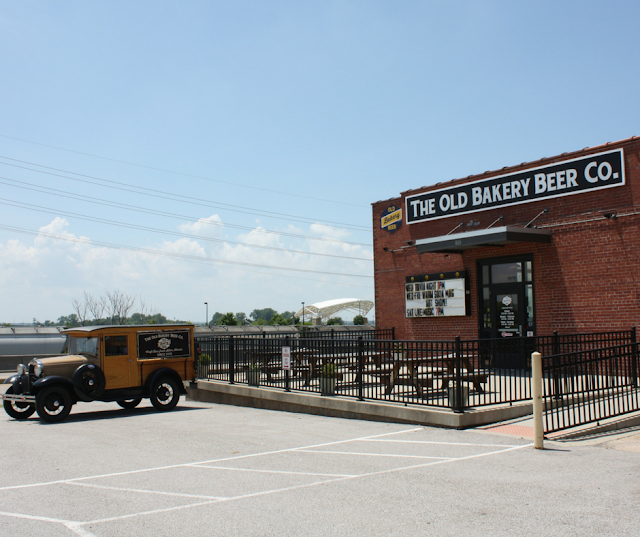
[536, 392]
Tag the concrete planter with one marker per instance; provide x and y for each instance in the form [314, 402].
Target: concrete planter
[327, 385]
[253, 377]
[452, 394]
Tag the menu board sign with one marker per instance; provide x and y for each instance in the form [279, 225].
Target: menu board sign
[436, 295]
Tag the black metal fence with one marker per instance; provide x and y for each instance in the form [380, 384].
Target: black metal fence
[590, 385]
[455, 374]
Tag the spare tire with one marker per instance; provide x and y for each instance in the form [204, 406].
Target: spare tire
[90, 380]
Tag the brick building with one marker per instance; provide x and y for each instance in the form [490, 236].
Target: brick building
[525, 250]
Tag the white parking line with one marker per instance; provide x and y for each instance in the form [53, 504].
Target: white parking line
[78, 529]
[297, 487]
[314, 474]
[436, 443]
[146, 491]
[70, 524]
[372, 454]
[171, 466]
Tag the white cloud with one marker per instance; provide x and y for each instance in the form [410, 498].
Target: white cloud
[211, 227]
[45, 274]
[330, 231]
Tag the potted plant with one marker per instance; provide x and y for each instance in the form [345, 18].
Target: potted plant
[253, 374]
[204, 361]
[328, 379]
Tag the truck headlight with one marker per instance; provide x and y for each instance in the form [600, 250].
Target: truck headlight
[37, 368]
[22, 369]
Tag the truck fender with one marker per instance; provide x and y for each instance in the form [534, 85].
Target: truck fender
[164, 372]
[50, 381]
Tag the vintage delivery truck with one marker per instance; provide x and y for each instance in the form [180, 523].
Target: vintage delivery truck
[121, 363]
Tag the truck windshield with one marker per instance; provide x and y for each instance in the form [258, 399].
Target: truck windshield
[81, 345]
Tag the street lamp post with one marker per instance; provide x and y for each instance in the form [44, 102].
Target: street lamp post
[303, 313]
[207, 314]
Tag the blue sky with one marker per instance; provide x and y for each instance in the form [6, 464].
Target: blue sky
[224, 126]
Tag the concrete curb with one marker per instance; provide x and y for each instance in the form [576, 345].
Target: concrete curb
[343, 407]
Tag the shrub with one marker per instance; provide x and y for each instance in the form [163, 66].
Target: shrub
[329, 371]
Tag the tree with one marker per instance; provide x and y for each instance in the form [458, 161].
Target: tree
[242, 317]
[216, 317]
[96, 306]
[265, 314]
[80, 308]
[358, 320]
[278, 319]
[259, 322]
[335, 320]
[69, 321]
[228, 320]
[288, 315]
[119, 305]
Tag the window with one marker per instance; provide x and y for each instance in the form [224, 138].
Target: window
[506, 273]
[81, 345]
[115, 346]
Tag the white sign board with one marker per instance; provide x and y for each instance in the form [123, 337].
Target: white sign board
[286, 358]
[445, 297]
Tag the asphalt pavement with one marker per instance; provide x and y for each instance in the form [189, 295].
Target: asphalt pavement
[207, 469]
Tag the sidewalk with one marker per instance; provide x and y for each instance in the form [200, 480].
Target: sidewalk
[523, 427]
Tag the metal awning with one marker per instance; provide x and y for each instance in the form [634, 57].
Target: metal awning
[497, 236]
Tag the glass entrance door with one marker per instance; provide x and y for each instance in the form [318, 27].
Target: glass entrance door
[506, 312]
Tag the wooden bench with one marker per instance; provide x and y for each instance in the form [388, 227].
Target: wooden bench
[477, 379]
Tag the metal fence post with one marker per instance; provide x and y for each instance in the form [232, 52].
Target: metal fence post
[232, 360]
[634, 357]
[457, 386]
[287, 376]
[536, 392]
[360, 368]
[557, 387]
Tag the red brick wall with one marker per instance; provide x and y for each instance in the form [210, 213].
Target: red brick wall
[587, 279]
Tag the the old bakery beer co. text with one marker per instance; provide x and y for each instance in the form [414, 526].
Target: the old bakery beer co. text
[593, 172]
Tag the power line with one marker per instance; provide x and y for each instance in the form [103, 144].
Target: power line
[173, 196]
[172, 254]
[64, 194]
[40, 209]
[235, 184]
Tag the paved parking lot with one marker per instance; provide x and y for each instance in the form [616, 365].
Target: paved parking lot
[208, 469]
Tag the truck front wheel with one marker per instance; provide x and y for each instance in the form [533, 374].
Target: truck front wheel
[18, 411]
[53, 404]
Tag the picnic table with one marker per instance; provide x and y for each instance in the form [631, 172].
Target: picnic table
[407, 371]
[266, 357]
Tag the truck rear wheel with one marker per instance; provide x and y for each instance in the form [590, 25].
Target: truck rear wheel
[129, 403]
[165, 394]
[18, 411]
